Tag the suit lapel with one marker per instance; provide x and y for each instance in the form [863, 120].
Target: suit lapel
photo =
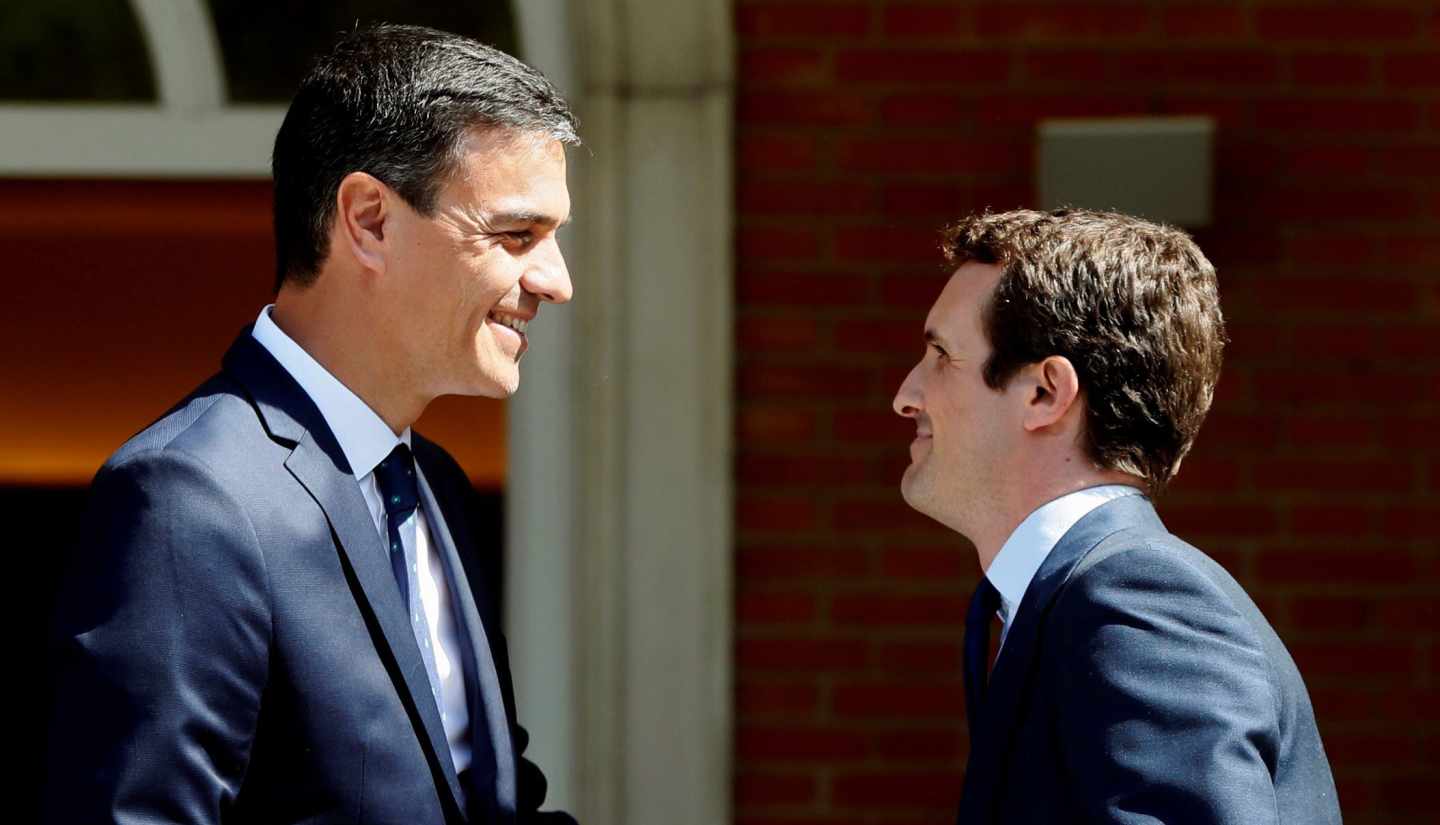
[1010, 681]
[493, 763]
[318, 463]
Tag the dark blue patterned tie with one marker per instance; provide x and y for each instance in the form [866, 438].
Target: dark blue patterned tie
[401, 491]
[396, 477]
[977, 650]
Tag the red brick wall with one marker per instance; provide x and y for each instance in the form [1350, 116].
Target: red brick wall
[864, 126]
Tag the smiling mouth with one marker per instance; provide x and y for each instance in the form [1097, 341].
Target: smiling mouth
[509, 332]
[513, 322]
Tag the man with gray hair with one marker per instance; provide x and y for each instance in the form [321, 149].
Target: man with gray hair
[1069, 362]
[280, 610]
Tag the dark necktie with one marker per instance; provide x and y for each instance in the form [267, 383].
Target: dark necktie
[401, 491]
[396, 477]
[977, 650]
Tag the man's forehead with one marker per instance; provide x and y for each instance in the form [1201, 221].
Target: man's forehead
[511, 140]
[502, 155]
[515, 180]
[959, 302]
[971, 284]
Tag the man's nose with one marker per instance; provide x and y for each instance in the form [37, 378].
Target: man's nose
[907, 398]
[548, 278]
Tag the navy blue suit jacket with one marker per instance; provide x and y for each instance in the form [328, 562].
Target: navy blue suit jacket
[1140, 684]
[231, 644]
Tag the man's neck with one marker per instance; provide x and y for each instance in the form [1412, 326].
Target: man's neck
[323, 328]
[1007, 517]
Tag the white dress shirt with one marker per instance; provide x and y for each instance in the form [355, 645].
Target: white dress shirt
[1027, 548]
[366, 440]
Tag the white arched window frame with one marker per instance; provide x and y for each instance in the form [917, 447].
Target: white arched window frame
[192, 131]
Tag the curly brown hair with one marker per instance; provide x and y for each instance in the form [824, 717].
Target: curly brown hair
[1132, 304]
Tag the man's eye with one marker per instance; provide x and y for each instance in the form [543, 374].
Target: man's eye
[516, 239]
[939, 351]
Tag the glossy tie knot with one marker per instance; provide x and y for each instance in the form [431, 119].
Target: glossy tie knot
[398, 487]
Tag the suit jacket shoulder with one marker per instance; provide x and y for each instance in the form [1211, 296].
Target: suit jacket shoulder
[1150, 583]
[1162, 678]
[165, 615]
[209, 410]
[1139, 684]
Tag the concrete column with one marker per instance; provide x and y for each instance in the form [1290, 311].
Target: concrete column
[542, 483]
[645, 558]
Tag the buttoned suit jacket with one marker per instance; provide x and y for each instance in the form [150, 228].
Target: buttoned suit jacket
[1138, 683]
[231, 645]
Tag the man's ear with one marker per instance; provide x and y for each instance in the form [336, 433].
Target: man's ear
[361, 210]
[1052, 387]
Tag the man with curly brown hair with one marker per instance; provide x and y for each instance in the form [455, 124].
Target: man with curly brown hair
[1069, 362]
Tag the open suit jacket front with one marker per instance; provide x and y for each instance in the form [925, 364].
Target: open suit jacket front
[1139, 684]
[232, 646]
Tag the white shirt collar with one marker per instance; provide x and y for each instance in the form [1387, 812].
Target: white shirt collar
[364, 436]
[1022, 554]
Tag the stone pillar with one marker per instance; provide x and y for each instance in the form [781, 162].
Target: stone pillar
[619, 514]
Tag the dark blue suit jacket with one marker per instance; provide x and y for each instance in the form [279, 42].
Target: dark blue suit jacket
[1139, 684]
[232, 646]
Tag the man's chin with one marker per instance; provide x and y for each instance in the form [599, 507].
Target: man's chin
[491, 386]
[912, 488]
[497, 380]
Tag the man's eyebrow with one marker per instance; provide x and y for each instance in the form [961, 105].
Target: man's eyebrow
[523, 217]
[933, 336]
